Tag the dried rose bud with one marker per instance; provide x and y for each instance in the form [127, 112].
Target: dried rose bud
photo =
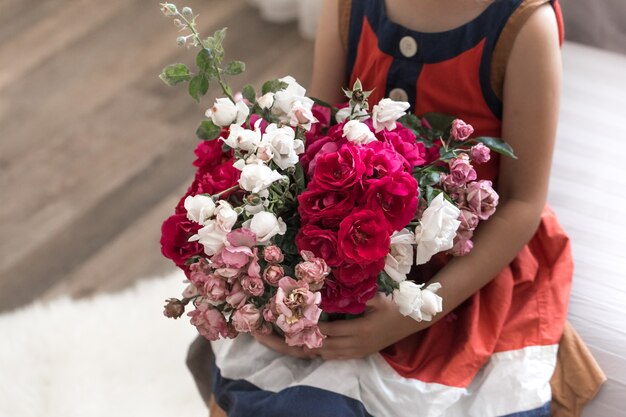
[273, 254]
[174, 308]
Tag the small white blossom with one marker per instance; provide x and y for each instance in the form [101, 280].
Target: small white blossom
[386, 112]
[301, 115]
[200, 208]
[358, 133]
[225, 216]
[285, 98]
[242, 138]
[265, 226]
[211, 237]
[257, 177]
[400, 258]
[283, 145]
[266, 101]
[417, 302]
[437, 229]
[224, 112]
[344, 113]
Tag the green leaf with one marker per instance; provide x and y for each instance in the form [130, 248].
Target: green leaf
[208, 130]
[411, 121]
[273, 86]
[496, 145]
[439, 121]
[249, 93]
[235, 68]
[174, 74]
[198, 86]
[299, 178]
[431, 193]
[429, 178]
[203, 60]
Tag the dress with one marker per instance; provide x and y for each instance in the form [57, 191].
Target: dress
[494, 355]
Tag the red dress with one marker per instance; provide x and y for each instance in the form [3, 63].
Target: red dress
[494, 355]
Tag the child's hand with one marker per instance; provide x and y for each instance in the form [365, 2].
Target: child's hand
[381, 325]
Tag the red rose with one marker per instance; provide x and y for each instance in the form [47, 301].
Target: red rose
[218, 179]
[352, 275]
[323, 243]
[395, 196]
[175, 233]
[322, 114]
[339, 170]
[381, 159]
[363, 237]
[337, 298]
[317, 204]
[208, 155]
[404, 142]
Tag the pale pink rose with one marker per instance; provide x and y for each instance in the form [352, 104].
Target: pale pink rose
[268, 314]
[300, 114]
[198, 272]
[254, 269]
[215, 288]
[235, 256]
[236, 296]
[311, 337]
[482, 198]
[461, 172]
[462, 243]
[468, 219]
[480, 153]
[252, 286]
[298, 307]
[241, 237]
[273, 274]
[247, 318]
[460, 130]
[313, 270]
[210, 322]
[273, 254]
[190, 291]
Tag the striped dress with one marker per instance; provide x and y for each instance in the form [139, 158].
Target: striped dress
[494, 355]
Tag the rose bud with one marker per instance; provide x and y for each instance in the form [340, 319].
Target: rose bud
[460, 130]
[174, 308]
[273, 254]
[480, 153]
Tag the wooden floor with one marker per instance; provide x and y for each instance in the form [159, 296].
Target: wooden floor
[94, 149]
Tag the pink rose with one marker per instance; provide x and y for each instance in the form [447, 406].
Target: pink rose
[339, 170]
[363, 237]
[468, 219]
[236, 296]
[247, 318]
[242, 237]
[461, 172]
[297, 305]
[403, 141]
[273, 274]
[252, 286]
[210, 322]
[312, 271]
[215, 288]
[395, 196]
[482, 199]
[273, 254]
[460, 130]
[310, 336]
[480, 153]
[381, 159]
[462, 243]
[321, 242]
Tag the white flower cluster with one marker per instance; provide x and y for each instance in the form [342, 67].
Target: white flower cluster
[435, 234]
[217, 220]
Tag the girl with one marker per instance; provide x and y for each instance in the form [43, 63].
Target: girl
[493, 349]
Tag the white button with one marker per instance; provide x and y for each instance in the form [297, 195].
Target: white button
[408, 46]
[398, 94]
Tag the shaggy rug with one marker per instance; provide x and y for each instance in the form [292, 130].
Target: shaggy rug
[112, 355]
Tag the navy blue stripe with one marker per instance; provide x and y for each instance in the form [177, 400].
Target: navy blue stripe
[239, 398]
[543, 411]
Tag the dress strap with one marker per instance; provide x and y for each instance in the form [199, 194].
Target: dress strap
[504, 45]
[345, 9]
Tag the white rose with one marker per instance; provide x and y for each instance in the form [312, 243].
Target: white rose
[343, 113]
[358, 133]
[244, 139]
[257, 177]
[386, 112]
[417, 303]
[224, 112]
[284, 99]
[211, 237]
[301, 115]
[199, 208]
[437, 229]
[400, 257]
[265, 226]
[282, 143]
[225, 216]
[265, 101]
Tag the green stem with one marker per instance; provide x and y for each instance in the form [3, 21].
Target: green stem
[234, 187]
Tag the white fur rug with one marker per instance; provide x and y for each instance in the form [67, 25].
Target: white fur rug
[113, 355]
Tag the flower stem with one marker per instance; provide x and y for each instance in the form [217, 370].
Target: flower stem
[234, 187]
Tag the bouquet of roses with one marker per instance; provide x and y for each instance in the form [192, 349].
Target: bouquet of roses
[299, 209]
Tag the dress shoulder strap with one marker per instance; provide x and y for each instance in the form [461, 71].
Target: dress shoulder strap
[504, 45]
